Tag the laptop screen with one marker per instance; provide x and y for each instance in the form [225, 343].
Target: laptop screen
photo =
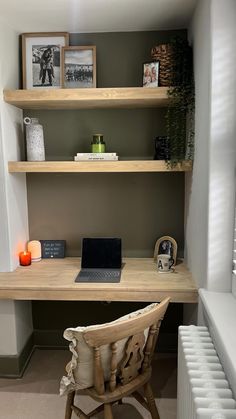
[101, 253]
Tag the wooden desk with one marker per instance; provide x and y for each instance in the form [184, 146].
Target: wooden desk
[140, 281]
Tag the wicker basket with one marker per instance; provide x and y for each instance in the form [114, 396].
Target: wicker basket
[165, 55]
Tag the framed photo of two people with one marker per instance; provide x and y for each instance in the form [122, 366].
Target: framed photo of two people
[151, 74]
[41, 59]
[49, 62]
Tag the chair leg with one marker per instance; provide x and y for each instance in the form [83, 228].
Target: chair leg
[69, 403]
[108, 411]
[151, 401]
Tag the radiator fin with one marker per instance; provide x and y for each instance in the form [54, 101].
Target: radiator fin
[203, 389]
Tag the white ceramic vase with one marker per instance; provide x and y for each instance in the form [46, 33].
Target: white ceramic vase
[34, 140]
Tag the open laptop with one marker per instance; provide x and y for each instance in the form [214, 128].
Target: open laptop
[101, 260]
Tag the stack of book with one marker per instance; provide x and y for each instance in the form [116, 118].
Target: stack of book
[95, 156]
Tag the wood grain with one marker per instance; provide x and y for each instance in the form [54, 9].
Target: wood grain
[92, 98]
[125, 166]
[140, 281]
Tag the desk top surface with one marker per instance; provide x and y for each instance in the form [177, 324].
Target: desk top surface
[140, 281]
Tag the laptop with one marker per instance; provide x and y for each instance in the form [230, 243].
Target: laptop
[101, 260]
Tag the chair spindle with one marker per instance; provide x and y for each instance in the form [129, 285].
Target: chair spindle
[112, 383]
[98, 371]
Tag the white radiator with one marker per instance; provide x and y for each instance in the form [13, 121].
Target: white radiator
[203, 390]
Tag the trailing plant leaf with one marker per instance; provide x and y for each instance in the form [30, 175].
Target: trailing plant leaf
[180, 112]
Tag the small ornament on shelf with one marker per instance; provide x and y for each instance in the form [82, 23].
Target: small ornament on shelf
[34, 140]
[162, 148]
[98, 145]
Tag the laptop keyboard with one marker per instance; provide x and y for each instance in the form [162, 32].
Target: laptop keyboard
[98, 276]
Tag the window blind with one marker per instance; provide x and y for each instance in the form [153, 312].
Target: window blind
[234, 258]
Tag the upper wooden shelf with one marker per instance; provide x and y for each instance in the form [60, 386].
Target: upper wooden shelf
[92, 98]
[125, 166]
[140, 281]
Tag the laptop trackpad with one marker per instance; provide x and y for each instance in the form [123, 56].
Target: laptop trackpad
[101, 275]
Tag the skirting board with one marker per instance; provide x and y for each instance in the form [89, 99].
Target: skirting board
[13, 366]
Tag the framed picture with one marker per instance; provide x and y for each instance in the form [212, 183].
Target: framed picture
[41, 59]
[151, 74]
[79, 67]
[166, 245]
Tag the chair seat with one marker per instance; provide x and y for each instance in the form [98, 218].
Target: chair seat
[121, 390]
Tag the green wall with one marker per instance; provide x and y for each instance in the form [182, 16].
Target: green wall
[139, 208]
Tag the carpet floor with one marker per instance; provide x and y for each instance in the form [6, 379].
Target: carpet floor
[35, 395]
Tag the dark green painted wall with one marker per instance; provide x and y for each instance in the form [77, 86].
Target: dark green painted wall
[120, 55]
[137, 207]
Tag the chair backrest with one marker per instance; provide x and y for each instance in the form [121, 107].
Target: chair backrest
[138, 349]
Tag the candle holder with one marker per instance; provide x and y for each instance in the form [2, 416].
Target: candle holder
[25, 258]
[98, 145]
[34, 247]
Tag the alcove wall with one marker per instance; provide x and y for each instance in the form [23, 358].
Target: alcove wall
[139, 208]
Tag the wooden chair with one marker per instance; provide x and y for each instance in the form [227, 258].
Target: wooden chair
[132, 373]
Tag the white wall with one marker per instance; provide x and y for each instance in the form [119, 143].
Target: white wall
[222, 145]
[15, 185]
[197, 185]
[13, 209]
[209, 212]
[15, 317]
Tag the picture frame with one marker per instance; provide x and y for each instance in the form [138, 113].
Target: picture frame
[79, 67]
[41, 59]
[166, 245]
[151, 74]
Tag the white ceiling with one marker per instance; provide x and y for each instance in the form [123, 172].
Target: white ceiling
[96, 15]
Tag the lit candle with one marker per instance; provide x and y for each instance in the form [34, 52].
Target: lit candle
[34, 247]
[25, 258]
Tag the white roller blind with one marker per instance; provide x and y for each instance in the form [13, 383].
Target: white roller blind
[234, 247]
[234, 258]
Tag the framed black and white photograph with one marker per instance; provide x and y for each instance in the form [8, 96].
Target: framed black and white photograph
[151, 74]
[41, 59]
[166, 245]
[79, 67]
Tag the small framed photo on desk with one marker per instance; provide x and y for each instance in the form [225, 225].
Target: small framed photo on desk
[166, 245]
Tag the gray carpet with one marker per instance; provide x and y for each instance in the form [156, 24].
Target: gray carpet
[35, 396]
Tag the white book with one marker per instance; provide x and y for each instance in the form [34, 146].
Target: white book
[100, 158]
[96, 154]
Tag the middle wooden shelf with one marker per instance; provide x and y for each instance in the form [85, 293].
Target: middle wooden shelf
[125, 166]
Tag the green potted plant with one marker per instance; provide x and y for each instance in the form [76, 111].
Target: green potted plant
[181, 110]
[176, 73]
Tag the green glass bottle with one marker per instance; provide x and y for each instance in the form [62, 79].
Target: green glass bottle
[98, 145]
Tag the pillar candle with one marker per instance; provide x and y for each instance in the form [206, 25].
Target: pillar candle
[34, 247]
[25, 258]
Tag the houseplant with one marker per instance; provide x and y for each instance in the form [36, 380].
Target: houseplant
[181, 110]
[176, 72]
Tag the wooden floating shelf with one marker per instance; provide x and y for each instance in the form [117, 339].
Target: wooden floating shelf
[125, 166]
[92, 98]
